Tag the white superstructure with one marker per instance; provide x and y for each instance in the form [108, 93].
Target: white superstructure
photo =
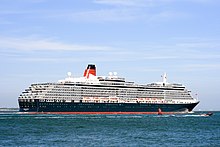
[107, 89]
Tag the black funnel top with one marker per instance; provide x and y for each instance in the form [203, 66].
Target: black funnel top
[91, 66]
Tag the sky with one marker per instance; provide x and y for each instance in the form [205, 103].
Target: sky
[42, 40]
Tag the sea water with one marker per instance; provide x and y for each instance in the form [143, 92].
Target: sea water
[108, 130]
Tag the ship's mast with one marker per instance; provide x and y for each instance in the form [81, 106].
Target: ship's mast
[164, 78]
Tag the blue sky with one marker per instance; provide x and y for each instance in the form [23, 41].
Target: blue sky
[41, 40]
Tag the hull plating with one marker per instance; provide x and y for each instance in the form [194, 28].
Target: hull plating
[103, 108]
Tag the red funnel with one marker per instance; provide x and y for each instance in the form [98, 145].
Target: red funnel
[91, 69]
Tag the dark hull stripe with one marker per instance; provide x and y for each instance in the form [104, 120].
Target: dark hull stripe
[94, 113]
[103, 107]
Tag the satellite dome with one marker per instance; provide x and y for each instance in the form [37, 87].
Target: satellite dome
[69, 74]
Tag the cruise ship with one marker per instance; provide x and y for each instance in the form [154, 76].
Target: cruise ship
[91, 94]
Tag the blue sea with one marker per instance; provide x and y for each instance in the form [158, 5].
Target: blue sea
[108, 130]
